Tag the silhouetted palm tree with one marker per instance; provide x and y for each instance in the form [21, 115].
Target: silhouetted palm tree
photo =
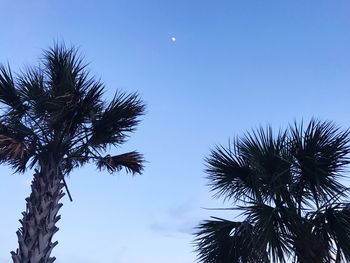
[54, 120]
[289, 192]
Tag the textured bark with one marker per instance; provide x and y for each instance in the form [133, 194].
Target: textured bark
[39, 220]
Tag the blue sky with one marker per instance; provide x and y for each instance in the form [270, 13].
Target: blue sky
[234, 65]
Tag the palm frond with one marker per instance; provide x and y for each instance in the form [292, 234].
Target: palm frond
[8, 93]
[13, 152]
[224, 241]
[32, 89]
[270, 223]
[229, 175]
[269, 161]
[116, 122]
[131, 161]
[321, 154]
[331, 229]
[91, 102]
[64, 70]
[10, 148]
[257, 167]
[83, 109]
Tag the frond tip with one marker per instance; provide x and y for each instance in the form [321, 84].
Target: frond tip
[131, 161]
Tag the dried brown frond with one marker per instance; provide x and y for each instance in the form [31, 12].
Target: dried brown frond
[10, 148]
[131, 161]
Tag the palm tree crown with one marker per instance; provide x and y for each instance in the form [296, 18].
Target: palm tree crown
[54, 119]
[57, 109]
[288, 189]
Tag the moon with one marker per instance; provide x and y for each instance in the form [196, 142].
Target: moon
[173, 39]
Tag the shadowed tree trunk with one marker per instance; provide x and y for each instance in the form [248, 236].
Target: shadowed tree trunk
[40, 218]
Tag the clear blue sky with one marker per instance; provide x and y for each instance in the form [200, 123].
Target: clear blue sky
[234, 65]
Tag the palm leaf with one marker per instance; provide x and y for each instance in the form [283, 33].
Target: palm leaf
[10, 148]
[117, 120]
[131, 161]
[224, 241]
[331, 229]
[229, 175]
[273, 232]
[64, 70]
[32, 89]
[8, 93]
[269, 161]
[321, 155]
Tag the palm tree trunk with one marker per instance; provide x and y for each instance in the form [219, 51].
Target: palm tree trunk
[40, 218]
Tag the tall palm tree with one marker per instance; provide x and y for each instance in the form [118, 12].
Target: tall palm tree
[53, 120]
[288, 188]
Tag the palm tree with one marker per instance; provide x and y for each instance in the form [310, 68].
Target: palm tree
[288, 188]
[54, 119]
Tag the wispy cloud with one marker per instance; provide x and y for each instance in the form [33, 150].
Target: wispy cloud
[177, 220]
